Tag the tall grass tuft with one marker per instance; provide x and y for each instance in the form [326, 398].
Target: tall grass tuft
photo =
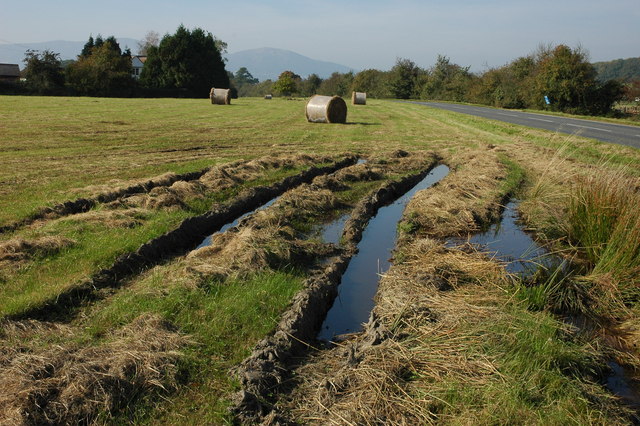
[604, 221]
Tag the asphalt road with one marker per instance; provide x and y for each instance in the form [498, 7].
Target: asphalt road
[606, 132]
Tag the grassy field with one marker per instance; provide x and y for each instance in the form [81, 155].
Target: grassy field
[182, 322]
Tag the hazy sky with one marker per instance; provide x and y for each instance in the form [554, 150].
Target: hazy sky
[357, 33]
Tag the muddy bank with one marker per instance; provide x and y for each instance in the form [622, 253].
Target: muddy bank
[359, 282]
[269, 364]
[174, 243]
[425, 347]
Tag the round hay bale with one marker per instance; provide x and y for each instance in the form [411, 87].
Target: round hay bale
[268, 96]
[359, 98]
[326, 109]
[220, 96]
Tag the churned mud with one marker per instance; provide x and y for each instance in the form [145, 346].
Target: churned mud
[359, 282]
[43, 364]
[295, 334]
[426, 334]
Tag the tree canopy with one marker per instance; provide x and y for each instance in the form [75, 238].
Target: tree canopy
[43, 72]
[102, 69]
[188, 60]
[287, 83]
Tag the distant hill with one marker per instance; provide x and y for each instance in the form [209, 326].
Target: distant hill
[268, 63]
[619, 69]
[14, 53]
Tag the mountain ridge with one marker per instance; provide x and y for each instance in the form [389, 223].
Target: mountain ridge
[268, 62]
[263, 63]
[14, 53]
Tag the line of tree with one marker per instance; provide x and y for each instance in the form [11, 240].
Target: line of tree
[625, 70]
[187, 63]
[559, 74]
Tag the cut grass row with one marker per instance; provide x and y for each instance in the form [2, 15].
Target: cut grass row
[225, 318]
[97, 244]
[56, 149]
[128, 141]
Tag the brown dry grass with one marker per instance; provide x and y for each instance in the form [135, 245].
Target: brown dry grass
[463, 200]
[115, 187]
[368, 381]
[427, 340]
[270, 239]
[127, 218]
[68, 384]
[20, 249]
[176, 196]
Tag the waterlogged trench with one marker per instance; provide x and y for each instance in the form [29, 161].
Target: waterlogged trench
[508, 242]
[360, 281]
[208, 240]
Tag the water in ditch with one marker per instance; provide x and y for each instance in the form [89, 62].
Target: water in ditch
[621, 383]
[332, 232]
[507, 242]
[360, 281]
[207, 241]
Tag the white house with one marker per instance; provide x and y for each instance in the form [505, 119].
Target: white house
[137, 63]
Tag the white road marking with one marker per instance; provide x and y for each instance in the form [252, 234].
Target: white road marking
[587, 127]
[541, 119]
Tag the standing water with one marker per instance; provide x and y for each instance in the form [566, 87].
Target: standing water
[360, 281]
[508, 242]
[207, 241]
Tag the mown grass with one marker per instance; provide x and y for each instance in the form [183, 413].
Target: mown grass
[53, 148]
[541, 376]
[97, 244]
[224, 319]
[56, 149]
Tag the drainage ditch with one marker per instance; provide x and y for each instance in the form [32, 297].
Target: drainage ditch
[329, 236]
[264, 372]
[507, 241]
[360, 281]
[172, 244]
[208, 240]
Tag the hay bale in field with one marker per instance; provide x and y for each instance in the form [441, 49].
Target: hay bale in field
[359, 98]
[326, 109]
[220, 96]
[268, 96]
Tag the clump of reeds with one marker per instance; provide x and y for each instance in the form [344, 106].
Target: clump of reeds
[603, 221]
